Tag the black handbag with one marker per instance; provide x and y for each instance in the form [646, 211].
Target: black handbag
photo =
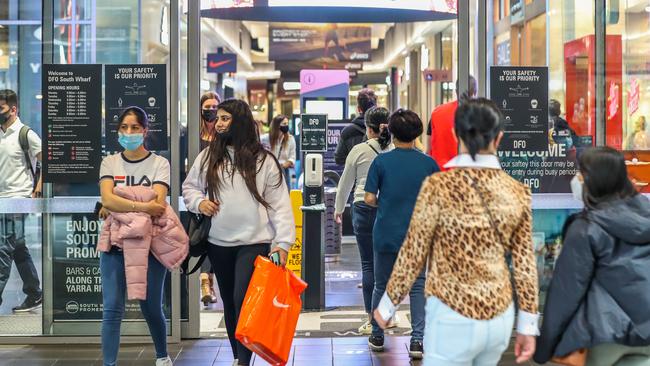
[197, 227]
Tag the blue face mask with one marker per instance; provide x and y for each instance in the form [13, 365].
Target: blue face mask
[131, 142]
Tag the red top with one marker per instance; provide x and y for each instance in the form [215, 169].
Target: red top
[444, 146]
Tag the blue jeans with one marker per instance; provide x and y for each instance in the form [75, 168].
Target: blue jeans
[111, 265]
[363, 220]
[451, 339]
[384, 263]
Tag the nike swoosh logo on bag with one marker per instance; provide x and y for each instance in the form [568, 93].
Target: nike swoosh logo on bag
[278, 304]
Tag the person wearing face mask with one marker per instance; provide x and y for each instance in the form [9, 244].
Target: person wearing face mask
[239, 184]
[599, 295]
[135, 166]
[17, 180]
[209, 103]
[282, 145]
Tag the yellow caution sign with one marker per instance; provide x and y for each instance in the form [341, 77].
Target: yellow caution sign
[294, 262]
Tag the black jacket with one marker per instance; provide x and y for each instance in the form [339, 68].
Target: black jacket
[353, 134]
[600, 291]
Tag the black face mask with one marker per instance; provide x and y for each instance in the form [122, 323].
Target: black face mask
[226, 136]
[284, 129]
[4, 117]
[209, 115]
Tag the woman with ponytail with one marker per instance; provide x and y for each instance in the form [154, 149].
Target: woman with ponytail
[464, 223]
[356, 169]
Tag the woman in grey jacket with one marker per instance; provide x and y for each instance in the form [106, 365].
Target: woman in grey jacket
[599, 298]
[363, 216]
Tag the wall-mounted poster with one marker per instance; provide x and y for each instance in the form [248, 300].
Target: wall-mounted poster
[144, 86]
[72, 116]
[522, 95]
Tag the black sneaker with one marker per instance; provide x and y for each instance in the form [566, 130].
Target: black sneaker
[416, 350]
[29, 304]
[376, 343]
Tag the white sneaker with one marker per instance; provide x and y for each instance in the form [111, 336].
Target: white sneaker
[366, 328]
[235, 362]
[166, 361]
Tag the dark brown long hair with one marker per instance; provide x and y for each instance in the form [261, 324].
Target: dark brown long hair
[248, 152]
[275, 133]
[206, 96]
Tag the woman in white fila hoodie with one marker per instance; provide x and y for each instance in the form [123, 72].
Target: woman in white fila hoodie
[250, 207]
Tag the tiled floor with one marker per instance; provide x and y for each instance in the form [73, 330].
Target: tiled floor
[216, 352]
[323, 338]
[343, 299]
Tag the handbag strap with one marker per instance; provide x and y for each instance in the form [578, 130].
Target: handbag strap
[373, 149]
[487, 210]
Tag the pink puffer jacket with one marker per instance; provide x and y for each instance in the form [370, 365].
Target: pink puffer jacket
[138, 234]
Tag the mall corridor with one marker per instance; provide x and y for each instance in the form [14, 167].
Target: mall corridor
[324, 182]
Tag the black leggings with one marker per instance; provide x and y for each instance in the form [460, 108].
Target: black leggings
[233, 267]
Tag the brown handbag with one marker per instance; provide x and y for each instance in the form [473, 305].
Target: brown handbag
[575, 358]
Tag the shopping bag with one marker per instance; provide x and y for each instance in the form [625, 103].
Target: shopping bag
[269, 315]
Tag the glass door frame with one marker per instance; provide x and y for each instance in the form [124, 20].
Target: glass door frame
[48, 203]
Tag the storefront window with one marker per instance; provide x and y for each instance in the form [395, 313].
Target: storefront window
[561, 38]
[558, 35]
[628, 85]
[21, 267]
[62, 260]
[20, 10]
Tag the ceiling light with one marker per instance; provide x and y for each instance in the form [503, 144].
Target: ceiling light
[260, 75]
[229, 83]
[647, 8]
[291, 85]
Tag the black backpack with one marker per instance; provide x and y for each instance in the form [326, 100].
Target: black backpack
[24, 146]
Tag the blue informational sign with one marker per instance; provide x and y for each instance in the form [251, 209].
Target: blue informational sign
[221, 63]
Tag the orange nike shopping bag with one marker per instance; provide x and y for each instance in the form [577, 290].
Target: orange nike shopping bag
[269, 315]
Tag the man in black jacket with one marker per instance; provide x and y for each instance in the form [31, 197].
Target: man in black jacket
[355, 132]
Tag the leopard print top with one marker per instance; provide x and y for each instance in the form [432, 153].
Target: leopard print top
[451, 233]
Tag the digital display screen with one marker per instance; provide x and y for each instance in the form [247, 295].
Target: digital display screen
[328, 43]
[445, 6]
[333, 108]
